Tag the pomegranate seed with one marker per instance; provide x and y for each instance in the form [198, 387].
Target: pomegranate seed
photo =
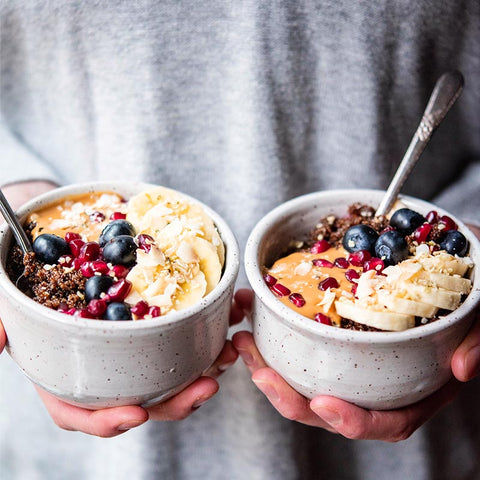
[84, 313]
[297, 299]
[75, 246]
[354, 288]
[140, 308]
[359, 257]
[119, 290]
[432, 216]
[119, 271]
[97, 217]
[98, 266]
[448, 223]
[65, 260]
[351, 275]
[341, 262]
[154, 311]
[69, 236]
[280, 290]
[97, 307]
[62, 308]
[321, 262]
[320, 246]
[118, 216]
[374, 264]
[77, 263]
[90, 251]
[329, 282]
[145, 242]
[422, 232]
[321, 318]
[86, 269]
[270, 280]
[388, 228]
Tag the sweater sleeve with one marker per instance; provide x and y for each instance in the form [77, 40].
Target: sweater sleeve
[18, 163]
[462, 197]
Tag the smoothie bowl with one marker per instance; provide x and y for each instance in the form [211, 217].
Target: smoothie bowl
[369, 314]
[126, 299]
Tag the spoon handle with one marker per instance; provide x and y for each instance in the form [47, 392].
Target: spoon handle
[447, 89]
[14, 224]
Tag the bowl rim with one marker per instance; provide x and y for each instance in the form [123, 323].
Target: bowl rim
[298, 321]
[229, 275]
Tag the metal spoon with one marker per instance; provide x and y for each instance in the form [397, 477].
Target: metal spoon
[19, 234]
[14, 224]
[447, 89]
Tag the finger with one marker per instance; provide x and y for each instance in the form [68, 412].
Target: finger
[186, 402]
[466, 359]
[243, 342]
[225, 360]
[244, 299]
[392, 425]
[284, 398]
[288, 402]
[236, 313]
[3, 337]
[108, 422]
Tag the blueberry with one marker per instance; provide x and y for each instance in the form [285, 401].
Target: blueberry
[49, 248]
[114, 229]
[406, 220]
[455, 243]
[391, 247]
[117, 311]
[360, 237]
[121, 250]
[97, 285]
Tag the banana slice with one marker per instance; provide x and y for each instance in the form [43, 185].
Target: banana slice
[444, 263]
[190, 292]
[438, 297]
[382, 320]
[448, 282]
[208, 260]
[409, 307]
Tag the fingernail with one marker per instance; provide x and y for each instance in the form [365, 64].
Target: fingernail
[330, 416]
[200, 401]
[128, 425]
[225, 366]
[472, 362]
[268, 389]
[247, 357]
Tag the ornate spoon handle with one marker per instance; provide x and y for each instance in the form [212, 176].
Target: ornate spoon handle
[447, 89]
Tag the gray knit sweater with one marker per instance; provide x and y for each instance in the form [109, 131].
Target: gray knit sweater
[242, 104]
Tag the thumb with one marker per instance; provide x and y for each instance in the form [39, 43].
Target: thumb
[3, 337]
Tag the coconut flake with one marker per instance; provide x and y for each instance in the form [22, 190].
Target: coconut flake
[327, 300]
[186, 253]
[366, 284]
[303, 268]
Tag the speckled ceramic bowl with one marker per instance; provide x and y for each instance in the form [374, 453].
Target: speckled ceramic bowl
[376, 370]
[97, 363]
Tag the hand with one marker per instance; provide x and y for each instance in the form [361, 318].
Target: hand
[3, 338]
[341, 417]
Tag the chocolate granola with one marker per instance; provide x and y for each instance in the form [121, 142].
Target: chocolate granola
[332, 228]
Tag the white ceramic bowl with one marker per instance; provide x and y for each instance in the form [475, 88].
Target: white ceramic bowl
[375, 370]
[98, 363]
